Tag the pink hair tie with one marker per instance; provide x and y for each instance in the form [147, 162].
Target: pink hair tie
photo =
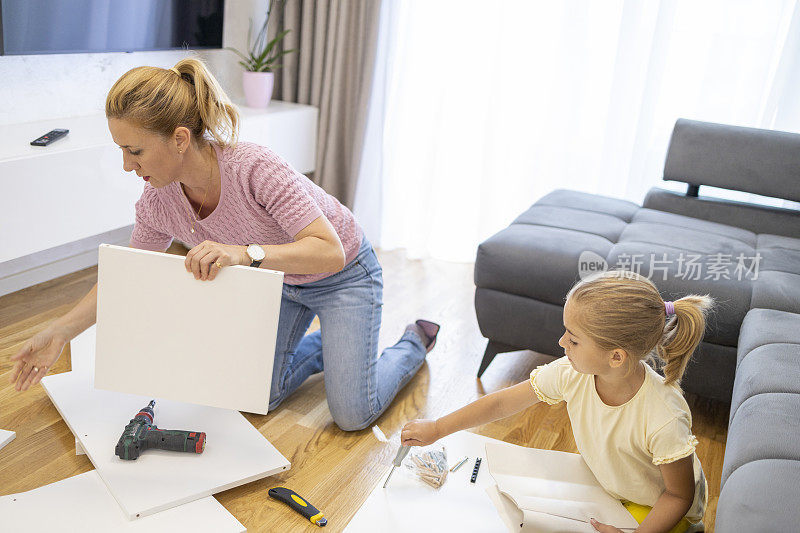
[669, 307]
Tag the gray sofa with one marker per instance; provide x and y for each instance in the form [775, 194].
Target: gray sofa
[745, 255]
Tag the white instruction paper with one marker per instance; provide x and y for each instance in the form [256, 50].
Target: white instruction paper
[548, 491]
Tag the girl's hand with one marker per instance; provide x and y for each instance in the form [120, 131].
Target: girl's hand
[604, 528]
[207, 258]
[419, 433]
[36, 357]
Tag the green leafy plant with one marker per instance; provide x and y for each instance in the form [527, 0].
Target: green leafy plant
[262, 57]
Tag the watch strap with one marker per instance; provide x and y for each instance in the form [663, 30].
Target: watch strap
[255, 264]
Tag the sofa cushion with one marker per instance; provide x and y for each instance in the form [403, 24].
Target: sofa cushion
[765, 426]
[534, 261]
[760, 497]
[768, 356]
[778, 283]
[537, 255]
[583, 201]
[694, 232]
[767, 326]
[603, 225]
[769, 368]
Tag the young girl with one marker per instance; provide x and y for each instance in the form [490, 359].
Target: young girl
[632, 426]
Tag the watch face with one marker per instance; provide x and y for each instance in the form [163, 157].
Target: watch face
[256, 252]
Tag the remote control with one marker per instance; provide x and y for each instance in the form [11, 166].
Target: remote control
[49, 137]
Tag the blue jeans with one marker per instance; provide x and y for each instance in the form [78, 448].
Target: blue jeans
[359, 384]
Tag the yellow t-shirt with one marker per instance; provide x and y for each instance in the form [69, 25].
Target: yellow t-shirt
[623, 445]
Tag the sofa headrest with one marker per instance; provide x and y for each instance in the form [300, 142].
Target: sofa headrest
[753, 160]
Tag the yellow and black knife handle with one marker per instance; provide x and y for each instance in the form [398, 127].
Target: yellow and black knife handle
[299, 504]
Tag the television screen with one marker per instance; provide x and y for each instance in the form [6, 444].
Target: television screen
[81, 26]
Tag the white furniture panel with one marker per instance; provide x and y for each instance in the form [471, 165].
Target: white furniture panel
[289, 130]
[235, 453]
[62, 197]
[82, 504]
[85, 131]
[82, 352]
[162, 333]
[6, 437]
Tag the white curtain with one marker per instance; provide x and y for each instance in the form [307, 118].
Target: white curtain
[481, 108]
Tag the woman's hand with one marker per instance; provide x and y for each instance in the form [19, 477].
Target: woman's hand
[419, 433]
[207, 258]
[604, 528]
[36, 357]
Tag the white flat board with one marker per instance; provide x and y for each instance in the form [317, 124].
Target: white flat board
[235, 453]
[408, 504]
[6, 437]
[82, 504]
[162, 333]
[82, 352]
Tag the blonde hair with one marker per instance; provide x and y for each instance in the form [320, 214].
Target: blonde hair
[622, 309]
[160, 100]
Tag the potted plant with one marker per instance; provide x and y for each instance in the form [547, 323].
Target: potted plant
[260, 64]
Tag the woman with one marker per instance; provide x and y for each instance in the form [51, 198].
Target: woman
[241, 204]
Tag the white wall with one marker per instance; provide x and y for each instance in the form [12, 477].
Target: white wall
[40, 87]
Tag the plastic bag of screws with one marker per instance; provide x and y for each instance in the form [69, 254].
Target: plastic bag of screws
[430, 466]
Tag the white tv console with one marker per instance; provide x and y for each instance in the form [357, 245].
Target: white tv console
[59, 202]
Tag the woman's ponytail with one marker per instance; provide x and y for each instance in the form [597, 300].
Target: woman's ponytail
[160, 100]
[682, 333]
[218, 115]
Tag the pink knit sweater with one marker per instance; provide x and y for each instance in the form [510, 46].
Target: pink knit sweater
[263, 201]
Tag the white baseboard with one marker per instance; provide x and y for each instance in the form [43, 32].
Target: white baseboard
[49, 264]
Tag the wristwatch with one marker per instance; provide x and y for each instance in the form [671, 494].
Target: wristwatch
[256, 255]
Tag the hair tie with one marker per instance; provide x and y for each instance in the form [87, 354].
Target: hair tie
[173, 69]
[669, 307]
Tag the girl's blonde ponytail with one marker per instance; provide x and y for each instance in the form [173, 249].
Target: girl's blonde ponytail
[682, 333]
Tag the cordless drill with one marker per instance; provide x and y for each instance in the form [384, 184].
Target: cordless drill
[141, 434]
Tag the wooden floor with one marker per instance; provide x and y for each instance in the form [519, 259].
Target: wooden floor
[335, 470]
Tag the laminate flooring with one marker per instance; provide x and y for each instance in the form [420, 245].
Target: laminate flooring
[333, 469]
